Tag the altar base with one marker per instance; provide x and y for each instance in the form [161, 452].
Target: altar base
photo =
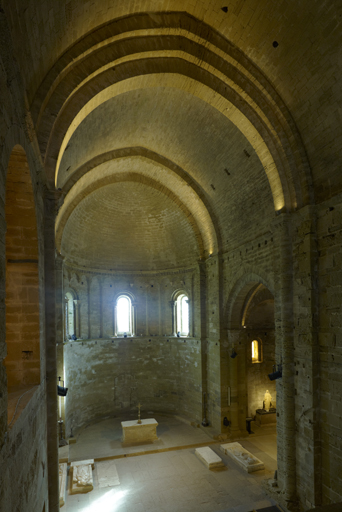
[265, 417]
[139, 433]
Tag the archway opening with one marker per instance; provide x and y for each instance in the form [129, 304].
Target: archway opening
[22, 279]
[251, 353]
[258, 323]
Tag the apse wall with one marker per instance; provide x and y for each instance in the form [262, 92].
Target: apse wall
[109, 378]
[108, 375]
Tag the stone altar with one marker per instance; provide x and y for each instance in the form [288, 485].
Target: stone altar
[263, 417]
[62, 482]
[81, 476]
[243, 457]
[136, 433]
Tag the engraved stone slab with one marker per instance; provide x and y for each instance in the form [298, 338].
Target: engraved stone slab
[134, 432]
[81, 476]
[243, 457]
[107, 474]
[209, 457]
[62, 482]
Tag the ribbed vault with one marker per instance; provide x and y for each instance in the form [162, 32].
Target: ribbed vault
[154, 44]
[141, 169]
[132, 224]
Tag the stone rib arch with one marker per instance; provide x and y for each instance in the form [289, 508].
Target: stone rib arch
[266, 111]
[247, 281]
[200, 91]
[248, 121]
[236, 79]
[186, 199]
[165, 163]
[63, 218]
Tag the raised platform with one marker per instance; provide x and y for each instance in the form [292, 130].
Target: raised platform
[263, 417]
[138, 433]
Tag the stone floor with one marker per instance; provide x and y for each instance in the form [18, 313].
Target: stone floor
[172, 478]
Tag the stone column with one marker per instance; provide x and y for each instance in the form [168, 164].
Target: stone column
[146, 328]
[77, 304]
[134, 318]
[233, 383]
[192, 309]
[51, 274]
[114, 319]
[159, 311]
[174, 317]
[3, 346]
[190, 316]
[88, 309]
[286, 428]
[101, 306]
[60, 326]
[204, 343]
[66, 318]
[307, 355]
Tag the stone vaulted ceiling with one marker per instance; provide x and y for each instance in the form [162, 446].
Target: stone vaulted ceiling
[165, 125]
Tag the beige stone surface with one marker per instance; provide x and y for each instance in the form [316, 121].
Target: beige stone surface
[266, 419]
[107, 474]
[169, 147]
[243, 457]
[134, 432]
[81, 477]
[63, 468]
[209, 457]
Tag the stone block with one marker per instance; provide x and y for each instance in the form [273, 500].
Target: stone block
[135, 433]
[81, 476]
[244, 458]
[209, 457]
[62, 483]
[107, 474]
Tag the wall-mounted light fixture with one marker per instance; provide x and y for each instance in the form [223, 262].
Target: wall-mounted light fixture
[233, 354]
[277, 373]
[61, 390]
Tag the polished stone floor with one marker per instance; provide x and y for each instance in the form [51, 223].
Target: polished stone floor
[167, 475]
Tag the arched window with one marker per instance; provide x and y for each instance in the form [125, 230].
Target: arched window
[124, 316]
[182, 314]
[256, 351]
[69, 315]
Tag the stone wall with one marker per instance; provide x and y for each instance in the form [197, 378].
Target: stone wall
[23, 441]
[110, 377]
[152, 295]
[329, 363]
[23, 460]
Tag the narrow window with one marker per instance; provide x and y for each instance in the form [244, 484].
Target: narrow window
[256, 353]
[124, 320]
[182, 306]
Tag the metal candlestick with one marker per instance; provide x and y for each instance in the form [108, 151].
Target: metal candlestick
[139, 420]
